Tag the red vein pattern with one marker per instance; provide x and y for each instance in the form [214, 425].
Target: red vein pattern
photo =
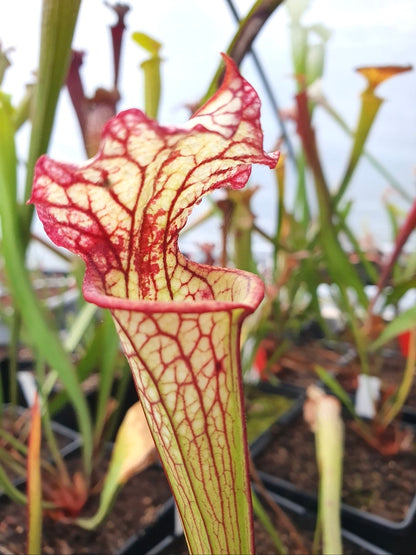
[179, 322]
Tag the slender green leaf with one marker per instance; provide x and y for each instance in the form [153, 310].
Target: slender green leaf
[301, 207]
[336, 388]
[248, 29]
[393, 407]
[264, 518]
[383, 171]
[13, 462]
[133, 451]
[23, 109]
[337, 262]
[370, 104]
[79, 327]
[403, 322]
[367, 265]
[396, 293]
[35, 319]
[109, 351]
[10, 490]
[13, 441]
[58, 24]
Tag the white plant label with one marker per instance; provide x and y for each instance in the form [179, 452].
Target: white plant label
[368, 393]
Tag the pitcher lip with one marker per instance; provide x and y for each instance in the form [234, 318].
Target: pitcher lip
[93, 293]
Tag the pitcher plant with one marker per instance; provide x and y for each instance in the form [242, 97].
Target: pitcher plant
[178, 321]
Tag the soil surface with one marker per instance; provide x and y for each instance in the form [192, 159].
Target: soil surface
[130, 513]
[371, 482]
[296, 366]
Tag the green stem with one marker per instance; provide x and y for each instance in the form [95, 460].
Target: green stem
[22, 111]
[368, 267]
[151, 70]
[47, 428]
[120, 396]
[248, 30]
[373, 161]
[337, 261]
[79, 327]
[329, 440]
[370, 104]
[281, 212]
[110, 351]
[301, 203]
[91, 523]
[359, 339]
[14, 357]
[262, 515]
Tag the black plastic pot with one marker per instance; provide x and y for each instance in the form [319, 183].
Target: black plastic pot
[140, 542]
[23, 366]
[67, 416]
[305, 519]
[293, 398]
[154, 538]
[162, 539]
[150, 536]
[388, 535]
[383, 534]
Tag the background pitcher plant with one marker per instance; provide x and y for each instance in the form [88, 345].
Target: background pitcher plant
[179, 321]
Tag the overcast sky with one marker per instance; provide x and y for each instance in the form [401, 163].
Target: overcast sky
[194, 32]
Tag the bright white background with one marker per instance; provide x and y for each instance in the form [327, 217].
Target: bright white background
[194, 32]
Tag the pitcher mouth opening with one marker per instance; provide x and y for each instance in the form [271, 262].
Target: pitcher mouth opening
[246, 294]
